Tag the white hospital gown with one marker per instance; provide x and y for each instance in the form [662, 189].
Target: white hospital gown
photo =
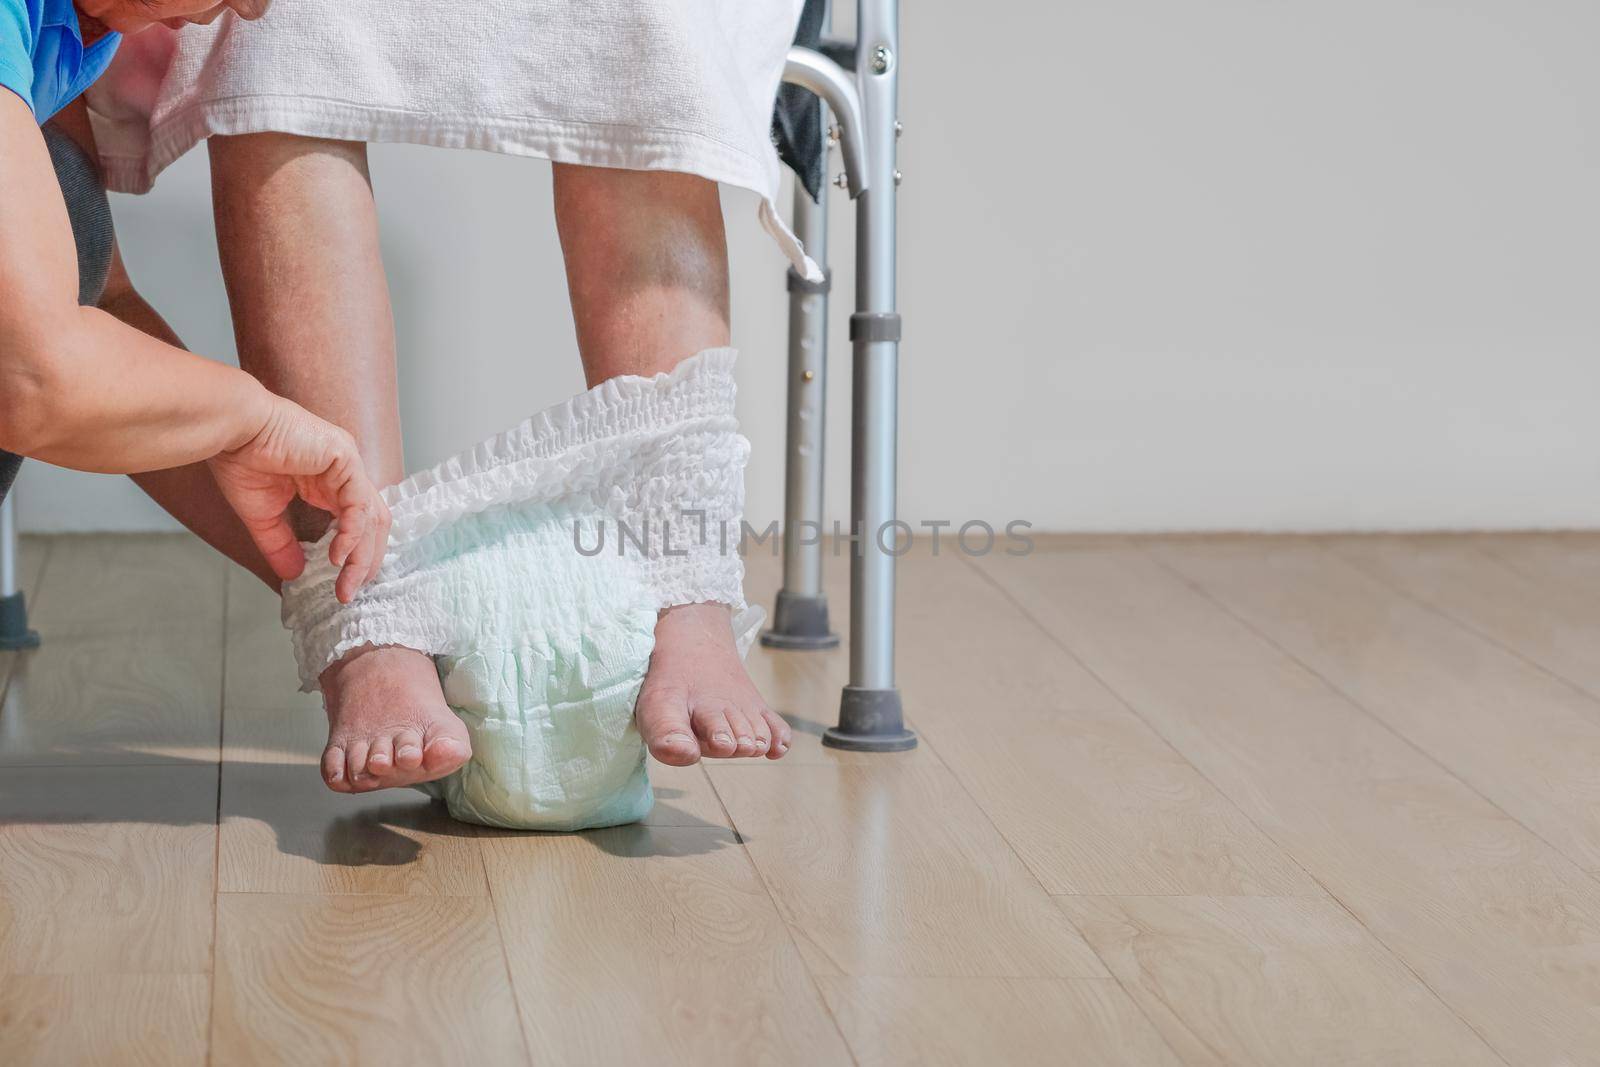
[681, 85]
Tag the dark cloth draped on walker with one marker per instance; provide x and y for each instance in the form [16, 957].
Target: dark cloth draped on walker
[797, 117]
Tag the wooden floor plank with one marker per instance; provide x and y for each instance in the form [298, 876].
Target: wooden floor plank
[1180, 788]
[1501, 926]
[96, 581]
[684, 797]
[645, 944]
[261, 670]
[1556, 560]
[136, 1020]
[132, 695]
[361, 980]
[106, 870]
[1533, 594]
[926, 1022]
[284, 831]
[1090, 797]
[1524, 739]
[1271, 981]
[33, 552]
[130, 668]
[287, 832]
[894, 871]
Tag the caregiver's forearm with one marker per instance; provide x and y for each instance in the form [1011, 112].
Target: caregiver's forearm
[77, 387]
[80, 389]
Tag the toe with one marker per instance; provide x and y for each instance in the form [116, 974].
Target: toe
[380, 755]
[779, 730]
[355, 763]
[333, 769]
[761, 733]
[744, 734]
[715, 732]
[407, 750]
[663, 716]
[446, 747]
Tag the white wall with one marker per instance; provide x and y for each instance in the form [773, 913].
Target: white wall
[1165, 265]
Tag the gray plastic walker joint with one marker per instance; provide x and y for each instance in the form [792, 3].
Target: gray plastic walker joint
[798, 284]
[875, 326]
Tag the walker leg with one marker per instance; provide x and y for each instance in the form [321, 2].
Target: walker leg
[800, 616]
[870, 716]
[14, 632]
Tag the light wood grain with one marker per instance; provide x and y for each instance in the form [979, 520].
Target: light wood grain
[135, 695]
[33, 554]
[653, 945]
[283, 831]
[934, 1021]
[1533, 595]
[897, 872]
[1338, 834]
[361, 979]
[1524, 739]
[133, 1020]
[1088, 795]
[1501, 926]
[1557, 560]
[684, 797]
[129, 670]
[121, 581]
[260, 665]
[106, 870]
[1270, 981]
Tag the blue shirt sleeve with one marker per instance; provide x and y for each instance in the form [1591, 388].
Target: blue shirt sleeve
[18, 34]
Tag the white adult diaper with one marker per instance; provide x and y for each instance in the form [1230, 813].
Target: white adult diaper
[532, 568]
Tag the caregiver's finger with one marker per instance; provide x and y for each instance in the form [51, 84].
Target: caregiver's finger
[351, 526]
[382, 522]
[358, 566]
[277, 544]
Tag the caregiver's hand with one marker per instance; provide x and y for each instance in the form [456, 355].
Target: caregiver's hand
[294, 453]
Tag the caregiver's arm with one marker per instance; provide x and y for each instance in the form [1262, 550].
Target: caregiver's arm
[188, 493]
[77, 387]
[80, 389]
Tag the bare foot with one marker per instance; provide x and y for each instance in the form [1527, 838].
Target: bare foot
[388, 724]
[697, 699]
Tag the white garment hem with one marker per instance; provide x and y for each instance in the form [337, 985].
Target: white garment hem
[561, 141]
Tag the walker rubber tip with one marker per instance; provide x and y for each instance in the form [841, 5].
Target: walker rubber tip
[14, 632]
[799, 623]
[869, 721]
[901, 741]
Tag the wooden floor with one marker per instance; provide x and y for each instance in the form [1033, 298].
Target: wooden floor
[1199, 801]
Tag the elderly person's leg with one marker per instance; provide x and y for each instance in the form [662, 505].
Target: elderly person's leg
[647, 267]
[298, 235]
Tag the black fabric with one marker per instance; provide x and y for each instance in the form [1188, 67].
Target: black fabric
[89, 211]
[9, 462]
[797, 116]
[90, 214]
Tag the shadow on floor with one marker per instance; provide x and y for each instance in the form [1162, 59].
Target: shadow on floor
[389, 827]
